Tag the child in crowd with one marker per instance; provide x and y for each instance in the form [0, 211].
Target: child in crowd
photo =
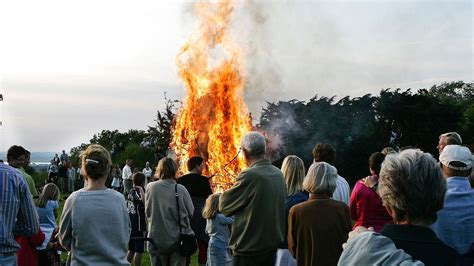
[136, 211]
[47, 206]
[27, 254]
[218, 230]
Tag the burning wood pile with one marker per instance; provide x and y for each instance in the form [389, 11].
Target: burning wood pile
[214, 116]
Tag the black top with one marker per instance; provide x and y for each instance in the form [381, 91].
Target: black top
[196, 184]
[199, 189]
[421, 243]
[136, 210]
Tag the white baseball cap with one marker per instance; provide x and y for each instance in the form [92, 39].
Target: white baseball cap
[456, 153]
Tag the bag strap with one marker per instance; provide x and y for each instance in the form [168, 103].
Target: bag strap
[177, 205]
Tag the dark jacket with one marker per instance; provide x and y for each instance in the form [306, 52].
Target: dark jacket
[317, 229]
[199, 188]
[421, 243]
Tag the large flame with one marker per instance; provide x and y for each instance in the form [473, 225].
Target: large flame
[213, 117]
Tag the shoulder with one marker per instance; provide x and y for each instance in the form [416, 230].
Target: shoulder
[338, 205]
[182, 189]
[342, 181]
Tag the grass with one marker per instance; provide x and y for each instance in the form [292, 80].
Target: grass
[145, 257]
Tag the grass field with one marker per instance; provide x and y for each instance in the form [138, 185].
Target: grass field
[145, 258]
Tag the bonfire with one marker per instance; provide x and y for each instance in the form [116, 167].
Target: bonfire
[213, 116]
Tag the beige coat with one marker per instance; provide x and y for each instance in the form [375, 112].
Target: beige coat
[162, 214]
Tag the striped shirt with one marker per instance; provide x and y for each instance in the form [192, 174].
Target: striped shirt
[342, 190]
[17, 209]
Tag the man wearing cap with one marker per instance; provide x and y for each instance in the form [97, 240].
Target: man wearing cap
[455, 223]
[450, 138]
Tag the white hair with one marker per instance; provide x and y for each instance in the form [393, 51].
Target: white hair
[320, 179]
[254, 144]
[411, 183]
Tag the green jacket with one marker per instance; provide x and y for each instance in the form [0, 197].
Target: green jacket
[257, 201]
[31, 183]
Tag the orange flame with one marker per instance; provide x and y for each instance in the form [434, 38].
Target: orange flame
[214, 116]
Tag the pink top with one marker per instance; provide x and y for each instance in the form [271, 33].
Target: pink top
[367, 209]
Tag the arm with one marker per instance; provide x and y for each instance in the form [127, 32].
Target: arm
[292, 238]
[27, 223]
[65, 226]
[188, 203]
[237, 197]
[37, 240]
[353, 202]
[221, 218]
[148, 201]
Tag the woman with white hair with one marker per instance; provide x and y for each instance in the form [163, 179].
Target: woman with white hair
[412, 189]
[318, 227]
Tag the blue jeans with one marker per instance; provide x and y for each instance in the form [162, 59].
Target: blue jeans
[8, 261]
[218, 256]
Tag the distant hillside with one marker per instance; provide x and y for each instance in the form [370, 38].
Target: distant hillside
[36, 157]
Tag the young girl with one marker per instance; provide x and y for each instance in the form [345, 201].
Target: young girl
[218, 230]
[47, 206]
[136, 211]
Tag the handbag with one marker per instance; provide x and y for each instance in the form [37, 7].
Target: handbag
[187, 243]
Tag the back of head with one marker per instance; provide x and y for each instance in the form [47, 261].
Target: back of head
[375, 162]
[15, 152]
[166, 169]
[456, 160]
[211, 207]
[138, 179]
[293, 171]
[50, 192]
[324, 152]
[96, 161]
[321, 179]
[193, 162]
[253, 144]
[452, 138]
[411, 184]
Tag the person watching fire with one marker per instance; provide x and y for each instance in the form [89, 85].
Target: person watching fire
[324, 152]
[199, 188]
[257, 201]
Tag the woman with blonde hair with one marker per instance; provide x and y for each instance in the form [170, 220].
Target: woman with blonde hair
[293, 171]
[163, 199]
[95, 226]
[217, 227]
[318, 227]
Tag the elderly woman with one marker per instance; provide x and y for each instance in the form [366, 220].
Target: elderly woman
[161, 210]
[293, 172]
[412, 189]
[318, 227]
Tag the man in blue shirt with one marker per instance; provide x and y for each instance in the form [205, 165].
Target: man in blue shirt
[455, 223]
[17, 213]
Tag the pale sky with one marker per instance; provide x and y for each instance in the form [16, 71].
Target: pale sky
[69, 69]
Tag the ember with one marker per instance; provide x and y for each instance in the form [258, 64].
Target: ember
[213, 117]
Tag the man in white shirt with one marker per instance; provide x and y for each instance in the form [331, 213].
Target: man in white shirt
[127, 176]
[324, 152]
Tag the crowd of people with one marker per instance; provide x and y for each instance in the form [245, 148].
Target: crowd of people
[410, 210]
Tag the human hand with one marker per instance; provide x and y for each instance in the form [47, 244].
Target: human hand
[355, 232]
[370, 181]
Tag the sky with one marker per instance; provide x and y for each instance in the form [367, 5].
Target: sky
[69, 69]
